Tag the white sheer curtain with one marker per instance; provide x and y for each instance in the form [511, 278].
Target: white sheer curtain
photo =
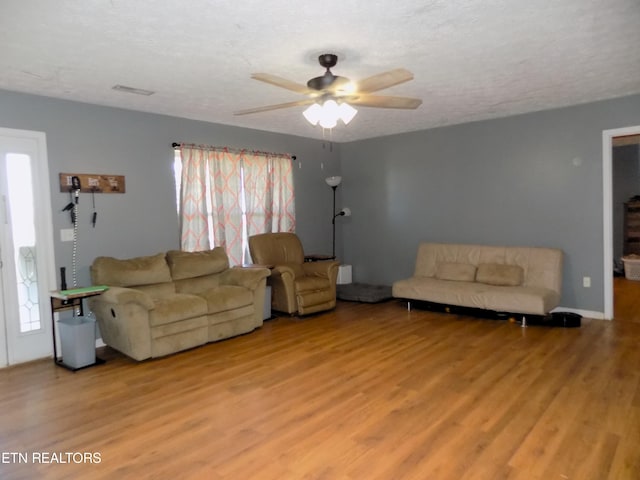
[269, 194]
[250, 193]
[193, 204]
[225, 175]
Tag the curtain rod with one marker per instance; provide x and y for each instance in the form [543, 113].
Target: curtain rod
[234, 150]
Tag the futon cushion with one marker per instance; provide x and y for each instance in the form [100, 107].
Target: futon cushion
[459, 272]
[501, 275]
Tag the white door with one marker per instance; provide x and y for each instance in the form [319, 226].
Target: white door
[26, 248]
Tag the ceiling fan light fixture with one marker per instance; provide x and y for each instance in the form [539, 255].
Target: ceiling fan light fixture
[328, 122]
[328, 114]
[313, 114]
[347, 112]
[328, 94]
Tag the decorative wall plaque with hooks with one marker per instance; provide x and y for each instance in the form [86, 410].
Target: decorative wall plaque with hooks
[93, 183]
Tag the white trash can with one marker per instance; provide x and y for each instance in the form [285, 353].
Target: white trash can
[344, 274]
[78, 341]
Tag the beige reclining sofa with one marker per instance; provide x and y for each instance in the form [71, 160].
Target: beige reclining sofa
[525, 280]
[165, 303]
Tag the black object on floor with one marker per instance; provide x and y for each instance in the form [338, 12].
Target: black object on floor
[363, 292]
[565, 319]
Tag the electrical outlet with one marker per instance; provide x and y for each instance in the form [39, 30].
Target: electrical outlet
[586, 282]
[66, 235]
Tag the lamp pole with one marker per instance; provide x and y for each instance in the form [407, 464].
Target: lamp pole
[333, 222]
[333, 182]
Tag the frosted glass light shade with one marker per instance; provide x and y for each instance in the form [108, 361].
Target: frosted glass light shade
[313, 114]
[328, 114]
[346, 211]
[347, 112]
[333, 181]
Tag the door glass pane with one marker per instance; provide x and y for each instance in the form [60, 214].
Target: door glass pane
[24, 239]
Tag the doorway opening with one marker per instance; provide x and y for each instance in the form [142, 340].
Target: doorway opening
[608, 141]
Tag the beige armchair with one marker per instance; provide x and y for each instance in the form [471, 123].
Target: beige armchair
[297, 286]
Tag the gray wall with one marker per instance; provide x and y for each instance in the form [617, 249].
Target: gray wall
[84, 138]
[626, 184]
[533, 179]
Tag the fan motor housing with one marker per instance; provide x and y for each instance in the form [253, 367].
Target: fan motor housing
[328, 80]
[328, 60]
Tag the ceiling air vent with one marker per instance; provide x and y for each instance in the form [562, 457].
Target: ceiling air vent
[135, 91]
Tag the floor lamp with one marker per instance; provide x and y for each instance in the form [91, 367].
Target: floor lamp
[333, 182]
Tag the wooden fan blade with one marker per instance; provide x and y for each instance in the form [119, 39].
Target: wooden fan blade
[281, 82]
[384, 80]
[384, 101]
[267, 108]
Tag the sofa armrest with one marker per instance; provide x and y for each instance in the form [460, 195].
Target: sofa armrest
[121, 295]
[283, 272]
[321, 269]
[249, 277]
[123, 319]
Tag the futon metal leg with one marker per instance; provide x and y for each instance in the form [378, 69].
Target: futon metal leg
[524, 322]
[408, 306]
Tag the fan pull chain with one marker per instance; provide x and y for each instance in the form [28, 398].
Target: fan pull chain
[330, 138]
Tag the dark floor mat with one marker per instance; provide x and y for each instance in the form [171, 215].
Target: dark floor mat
[363, 292]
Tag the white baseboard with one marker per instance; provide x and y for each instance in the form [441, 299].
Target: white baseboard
[100, 343]
[584, 313]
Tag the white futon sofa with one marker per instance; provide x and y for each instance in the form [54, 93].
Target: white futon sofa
[523, 280]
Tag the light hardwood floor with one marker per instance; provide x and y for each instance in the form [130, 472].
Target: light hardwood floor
[363, 392]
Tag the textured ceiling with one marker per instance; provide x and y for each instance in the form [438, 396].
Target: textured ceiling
[472, 59]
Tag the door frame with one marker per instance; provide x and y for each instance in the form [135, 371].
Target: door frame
[607, 210]
[44, 233]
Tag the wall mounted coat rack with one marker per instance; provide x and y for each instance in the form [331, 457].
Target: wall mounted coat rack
[93, 183]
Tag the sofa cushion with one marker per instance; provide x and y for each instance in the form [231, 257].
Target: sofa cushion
[310, 283]
[459, 272]
[501, 275]
[177, 307]
[196, 264]
[226, 297]
[158, 291]
[197, 285]
[131, 272]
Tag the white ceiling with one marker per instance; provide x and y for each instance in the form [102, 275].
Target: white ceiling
[472, 59]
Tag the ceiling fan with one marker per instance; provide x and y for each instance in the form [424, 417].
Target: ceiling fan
[340, 90]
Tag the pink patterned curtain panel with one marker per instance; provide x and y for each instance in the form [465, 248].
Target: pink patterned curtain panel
[225, 174]
[268, 181]
[242, 193]
[193, 207]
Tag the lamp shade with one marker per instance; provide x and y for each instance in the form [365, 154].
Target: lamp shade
[333, 181]
[346, 211]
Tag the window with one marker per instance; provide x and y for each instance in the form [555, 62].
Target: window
[225, 196]
[20, 200]
[177, 171]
